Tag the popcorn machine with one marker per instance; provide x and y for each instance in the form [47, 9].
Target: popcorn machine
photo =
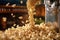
[52, 13]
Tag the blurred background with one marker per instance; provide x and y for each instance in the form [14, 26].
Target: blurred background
[14, 13]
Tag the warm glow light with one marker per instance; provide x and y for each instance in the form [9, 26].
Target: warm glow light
[4, 19]
[21, 1]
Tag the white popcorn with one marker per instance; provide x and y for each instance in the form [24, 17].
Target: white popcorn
[11, 14]
[13, 5]
[7, 4]
[22, 22]
[4, 19]
[21, 1]
[40, 18]
[14, 24]
[20, 17]
[27, 21]
[17, 26]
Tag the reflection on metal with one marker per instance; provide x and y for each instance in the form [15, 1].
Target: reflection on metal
[51, 10]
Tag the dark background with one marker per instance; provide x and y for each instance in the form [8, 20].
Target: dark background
[3, 2]
[17, 2]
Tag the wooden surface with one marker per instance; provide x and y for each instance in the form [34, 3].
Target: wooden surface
[10, 9]
[3, 6]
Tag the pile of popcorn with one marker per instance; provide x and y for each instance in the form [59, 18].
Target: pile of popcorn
[44, 31]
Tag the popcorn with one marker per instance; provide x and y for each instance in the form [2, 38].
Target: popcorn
[20, 17]
[4, 19]
[14, 24]
[13, 5]
[44, 31]
[22, 22]
[40, 32]
[7, 4]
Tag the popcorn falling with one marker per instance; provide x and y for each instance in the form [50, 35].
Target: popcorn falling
[31, 7]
